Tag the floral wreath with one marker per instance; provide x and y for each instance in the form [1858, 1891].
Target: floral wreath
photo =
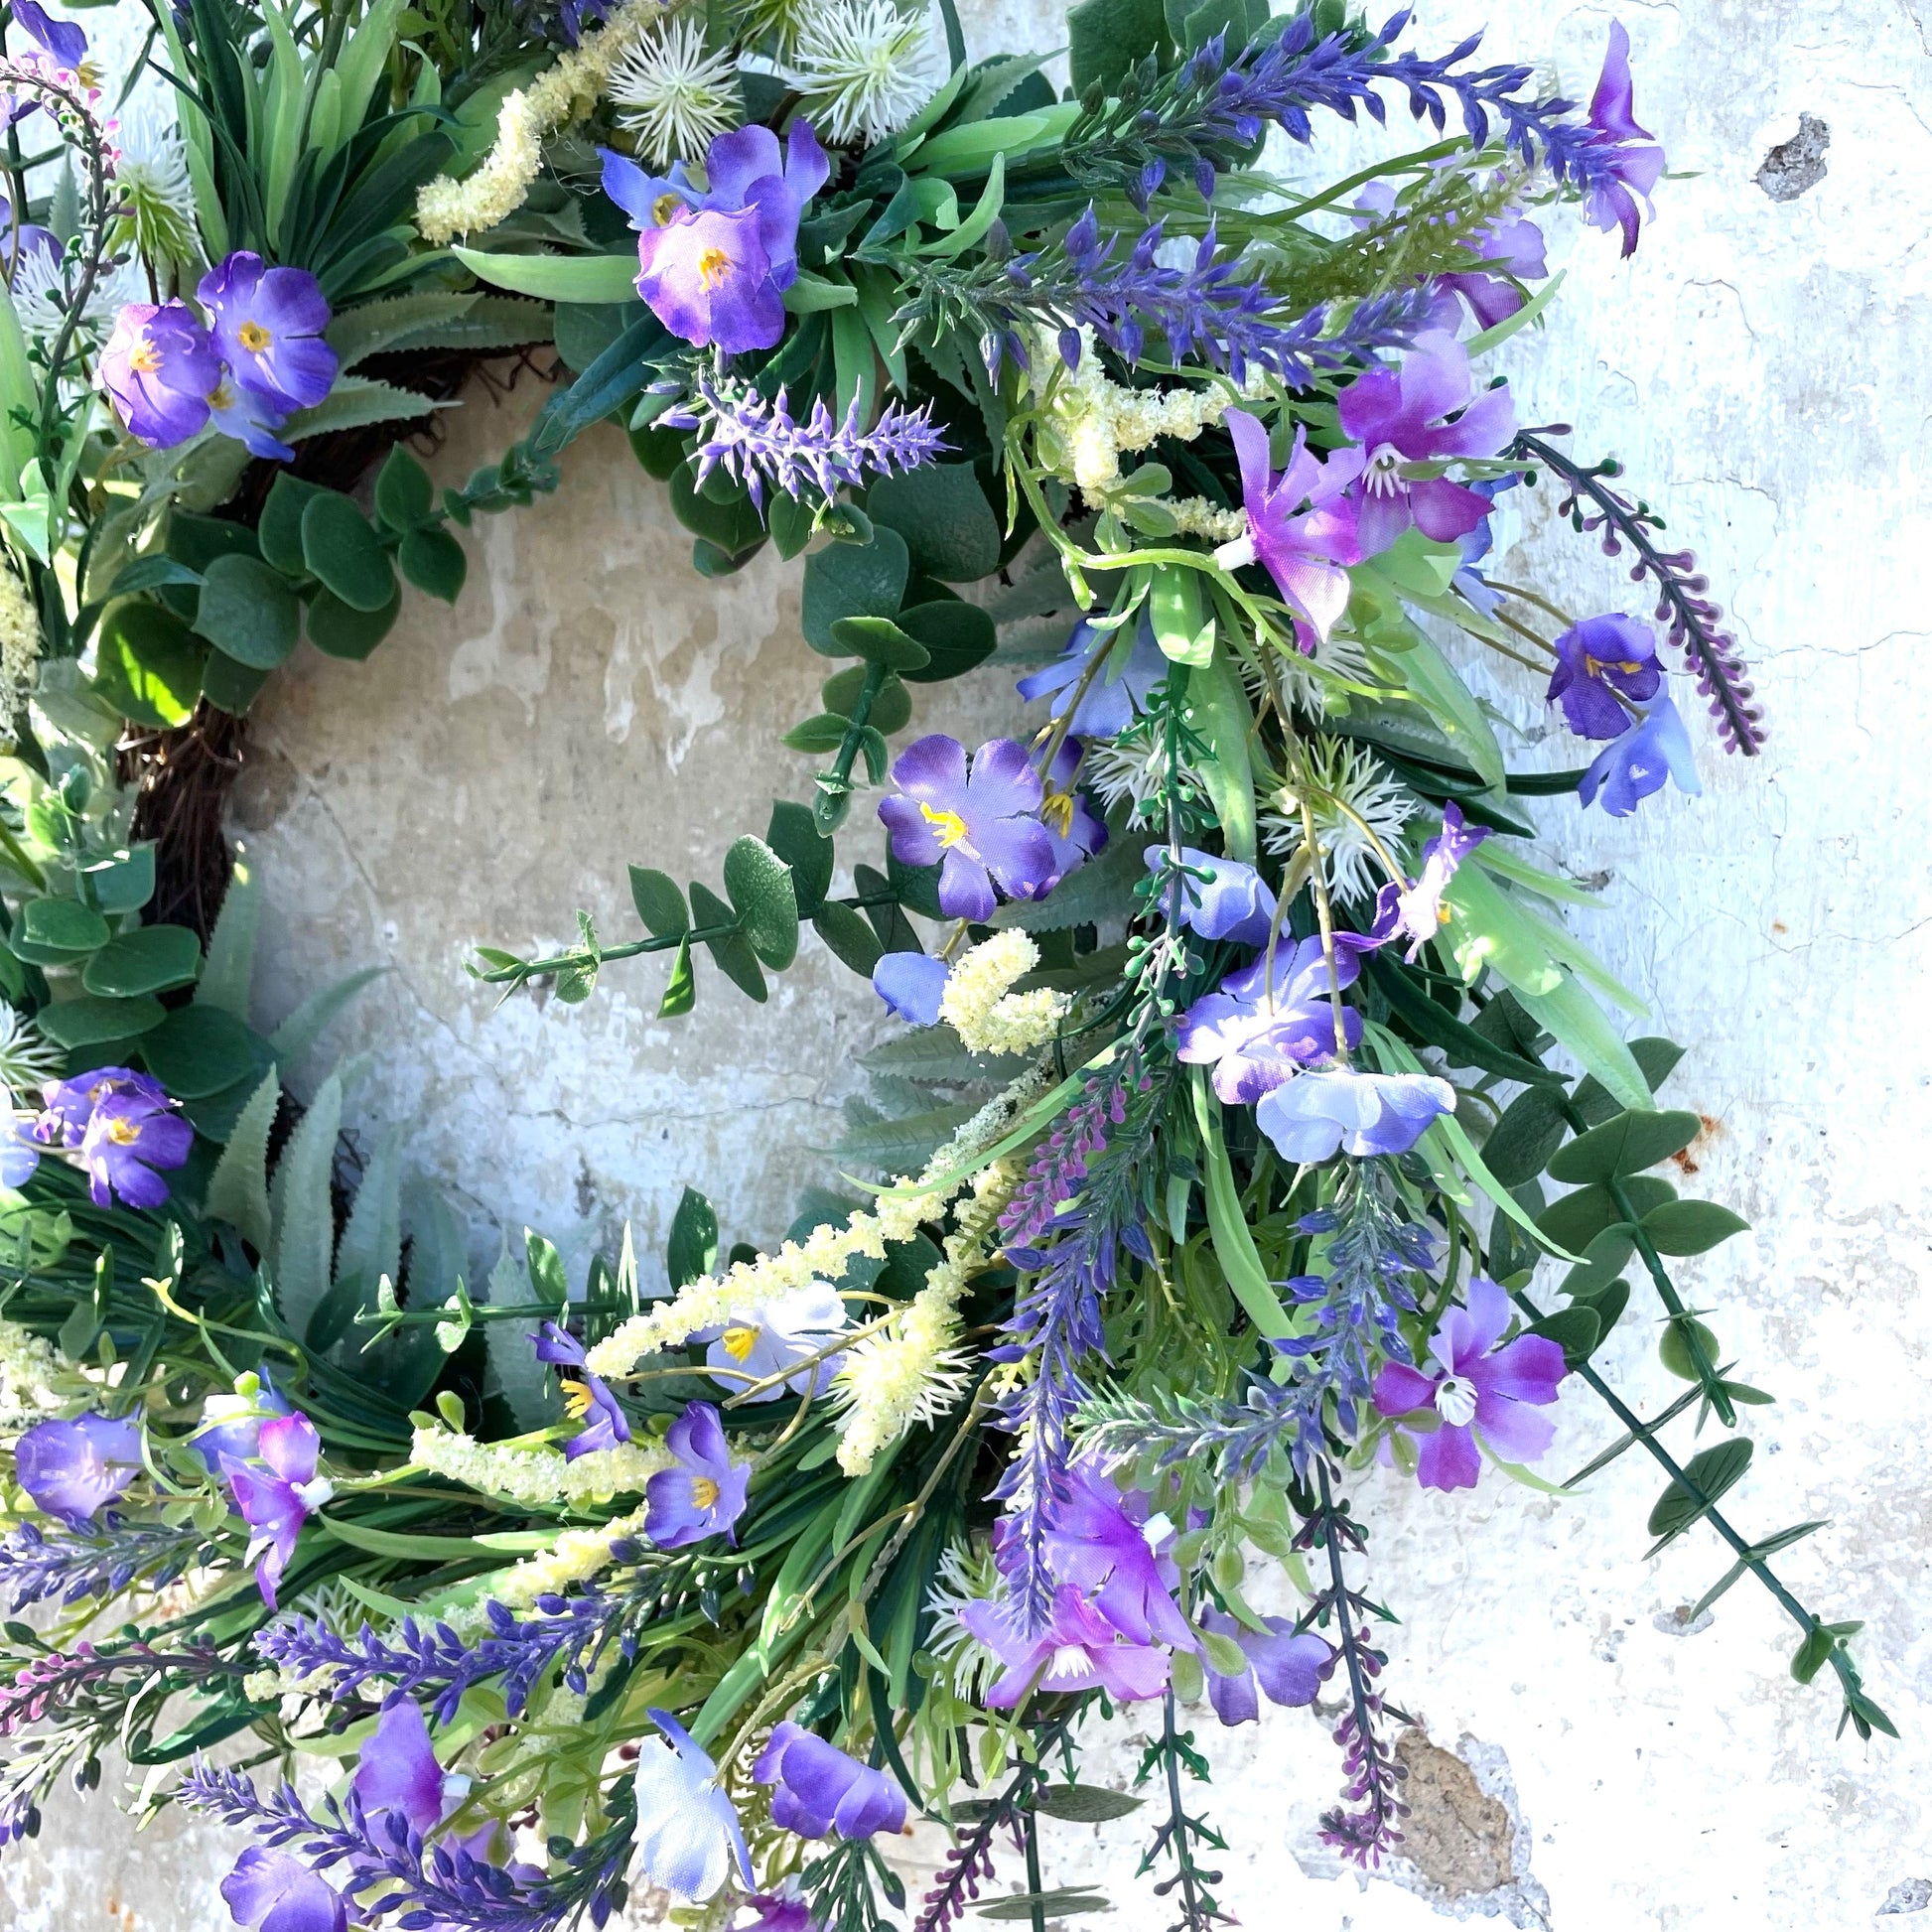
[1250, 1087]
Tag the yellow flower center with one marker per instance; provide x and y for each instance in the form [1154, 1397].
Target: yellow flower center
[1596, 667]
[704, 1492]
[713, 266]
[950, 825]
[739, 1342]
[663, 209]
[253, 337]
[144, 359]
[1056, 812]
[577, 1400]
[123, 1133]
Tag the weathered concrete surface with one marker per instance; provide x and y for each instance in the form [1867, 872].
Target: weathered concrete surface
[1759, 368]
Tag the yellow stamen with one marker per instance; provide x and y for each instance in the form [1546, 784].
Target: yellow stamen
[144, 359]
[123, 1133]
[253, 337]
[739, 1342]
[950, 825]
[577, 1400]
[1596, 667]
[663, 209]
[704, 1492]
[1056, 812]
[713, 266]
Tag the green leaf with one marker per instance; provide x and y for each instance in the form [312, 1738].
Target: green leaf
[891, 703]
[1710, 1471]
[355, 402]
[303, 1242]
[304, 1027]
[1674, 1349]
[1217, 708]
[850, 938]
[1582, 1026]
[1106, 40]
[730, 523]
[681, 989]
[228, 975]
[878, 641]
[852, 580]
[1184, 634]
[817, 737]
[230, 686]
[658, 901]
[1813, 1654]
[732, 951]
[434, 561]
[1625, 1145]
[1531, 1130]
[556, 278]
[1655, 1059]
[339, 629]
[1432, 682]
[199, 1050]
[150, 959]
[237, 1191]
[951, 533]
[280, 529]
[248, 612]
[759, 883]
[809, 295]
[962, 152]
[1064, 1901]
[56, 932]
[340, 547]
[91, 1021]
[1576, 1332]
[796, 840]
[148, 664]
[1691, 1227]
[404, 494]
[691, 1251]
[1085, 1804]
[955, 635]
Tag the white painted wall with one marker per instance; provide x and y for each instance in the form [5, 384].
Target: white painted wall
[1759, 367]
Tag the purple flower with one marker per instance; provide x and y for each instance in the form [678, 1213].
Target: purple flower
[1398, 419]
[981, 826]
[1317, 1115]
[277, 1493]
[20, 1151]
[911, 985]
[1093, 1544]
[1073, 829]
[397, 1770]
[1627, 160]
[248, 418]
[158, 368]
[649, 200]
[72, 1468]
[68, 1106]
[818, 1789]
[268, 325]
[1118, 693]
[781, 1911]
[1475, 1386]
[585, 1398]
[1078, 1650]
[63, 39]
[688, 1835]
[716, 273]
[705, 1496]
[129, 1137]
[783, 1333]
[1514, 244]
[1233, 903]
[1654, 749]
[1262, 1028]
[1595, 659]
[1303, 550]
[271, 1891]
[1417, 912]
[1289, 1668]
[231, 1425]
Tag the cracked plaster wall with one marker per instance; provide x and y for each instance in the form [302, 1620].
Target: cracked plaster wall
[1760, 370]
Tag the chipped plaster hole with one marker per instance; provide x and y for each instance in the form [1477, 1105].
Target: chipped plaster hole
[1457, 1835]
[1797, 164]
[1908, 1895]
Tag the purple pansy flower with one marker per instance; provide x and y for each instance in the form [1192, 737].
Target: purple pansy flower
[1073, 830]
[158, 368]
[1317, 1115]
[783, 1333]
[1398, 419]
[1637, 161]
[1475, 1386]
[1119, 691]
[1093, 1544]
[1262, 1028]
[981, 827]
[586, 1399]
[268, 325]
[277, 1493]
[231, 1425]
[70, 1468]
[397, 1770]
[1078, 1650]
[1233, 903]
[129, 1137]
[818, 1789]
[912, 984]
[1303, 549]
[705, 1496]
[270, 1891]
[1287, 1667]
[688, 1835]
[1655, 748]
[1595, 659]
[1415, 911]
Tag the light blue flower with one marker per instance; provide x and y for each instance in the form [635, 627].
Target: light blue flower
[688, 1835]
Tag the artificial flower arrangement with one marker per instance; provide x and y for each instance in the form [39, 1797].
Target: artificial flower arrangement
[1243, 1037]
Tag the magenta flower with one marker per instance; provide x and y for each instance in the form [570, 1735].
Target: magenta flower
[1304, 549]
[1637, 161]
[585, 1398]
[912, 984]
[158, 368]
[72, 1468]
[270, 1891]
[1078, 1650]
[1264, 1027]
[277, 1493]
[129, 1137]
[1233, 903]
[1316, 1116]
[1093, 1544]
[1415, 911]
[1475, 1387]
[268, 325]
[819, 1789]
[982, 827]
[1399, 419]
[397, 1770]
[705, 1494]
[1595, 659]
[1655, 748]
[1287, 1667]
[1073, 830]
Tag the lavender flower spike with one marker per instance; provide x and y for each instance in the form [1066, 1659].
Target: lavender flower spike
[757, 442]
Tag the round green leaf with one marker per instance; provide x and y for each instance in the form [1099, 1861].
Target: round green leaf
[433, 561]
[851, 580]
[957, 636]
[148, 664]
[1625, 1145]
[341, 631]
[849, 936]
[940, 510]
[735, 527]
[340, 547]
[61, 928]
[1691, 1227]
[248, 612]
[199, 1050]
[891, 703]
[404, 494]
[759, 884]
[88, 1020]
[878, 641]
[230, 686]
[149, 960]
[280, 529]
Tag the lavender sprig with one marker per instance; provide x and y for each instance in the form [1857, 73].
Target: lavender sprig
[756, 441]
[424, 1885]
[66, 1564]
[1697, 622]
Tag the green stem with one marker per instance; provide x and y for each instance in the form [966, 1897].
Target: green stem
[583, 959]
[1031, 1835]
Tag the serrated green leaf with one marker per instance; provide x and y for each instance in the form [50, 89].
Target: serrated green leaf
[303, 1028]
[227, 977]
[303, 1241]
[237, 1191]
